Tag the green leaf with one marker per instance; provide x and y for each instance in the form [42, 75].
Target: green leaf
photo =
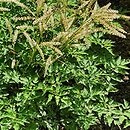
[86, 126]
[127, 124]
[109, 120]
[127, 113]
[4, 127]
[16, 127]
[50, 96]
[121, 119]
[57, 100]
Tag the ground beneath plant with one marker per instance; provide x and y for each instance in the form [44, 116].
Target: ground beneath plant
[121, 48]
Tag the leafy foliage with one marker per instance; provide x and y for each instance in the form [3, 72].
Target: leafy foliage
[56, 68]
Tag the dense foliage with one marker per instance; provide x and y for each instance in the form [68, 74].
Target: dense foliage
[57, 68]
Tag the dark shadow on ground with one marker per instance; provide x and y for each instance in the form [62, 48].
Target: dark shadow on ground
[121, 48]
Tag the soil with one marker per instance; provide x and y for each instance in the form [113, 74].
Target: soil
[121, 48]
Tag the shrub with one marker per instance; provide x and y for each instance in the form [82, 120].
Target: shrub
[57, 68]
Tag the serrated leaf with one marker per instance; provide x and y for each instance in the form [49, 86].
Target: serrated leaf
[121, 119]
[16, 127]
[4, 127]
[50, 96]
[127, 113]
[127, 124]
[109, 120]
[57, 100]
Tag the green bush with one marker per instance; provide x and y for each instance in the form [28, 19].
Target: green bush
[57, 68]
